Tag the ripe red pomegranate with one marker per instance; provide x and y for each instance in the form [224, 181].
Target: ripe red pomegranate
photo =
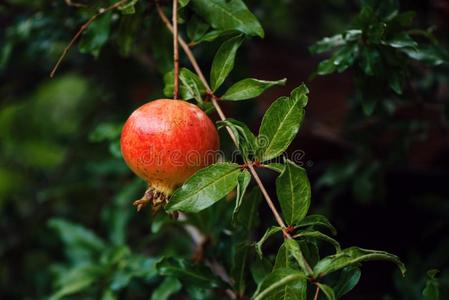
[164, 142]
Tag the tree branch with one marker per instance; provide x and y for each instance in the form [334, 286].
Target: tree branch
[100, 12]
[317, 293]
[222, 116]
[175, 50]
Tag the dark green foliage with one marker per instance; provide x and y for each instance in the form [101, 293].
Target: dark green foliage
[65, 187]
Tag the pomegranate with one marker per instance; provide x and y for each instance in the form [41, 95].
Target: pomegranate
[164, 142]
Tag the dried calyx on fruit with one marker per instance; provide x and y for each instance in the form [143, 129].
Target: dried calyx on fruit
[164, 142]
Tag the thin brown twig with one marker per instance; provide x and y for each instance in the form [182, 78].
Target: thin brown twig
[175, 50]
[317, 293]
[222, 116]
[100, 12]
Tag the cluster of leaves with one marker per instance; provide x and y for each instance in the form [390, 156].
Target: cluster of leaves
[379, 48]
[298, 261]
[106, 267]
[382, 50]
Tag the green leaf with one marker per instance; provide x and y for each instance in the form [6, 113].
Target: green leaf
[248, 214]
[196, 29]
[249, 88]
[320, 236]
[204, 188]
[187, 272]
[214, 34]
[192, 84]
[260, 268]
[245, 138]
[96, 35]
[76, 280]
[80, 243]
[353, 256]
[283, 258]
[228, 15]
[239, 266]
[402, 40]
[283, 283]
[327, 291]
[128, 8]
[432, 289]
[432, 55]
[335, 41]
[223, 62]
[293, 248]
[190, 88]
[317, 220]
[108, 295]
[278, 167]
[242, 184]
[342, 59]
[183, 3]
[349, 277]
[310, 251]
[294, 193]
[270, 231]
[281, 123]
[167, 288]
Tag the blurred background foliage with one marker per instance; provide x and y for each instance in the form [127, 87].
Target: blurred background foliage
[375, 140]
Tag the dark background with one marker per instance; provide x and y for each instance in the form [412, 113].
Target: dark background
[382, 181]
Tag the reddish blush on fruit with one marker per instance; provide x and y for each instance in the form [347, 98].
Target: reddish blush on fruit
[164, 142]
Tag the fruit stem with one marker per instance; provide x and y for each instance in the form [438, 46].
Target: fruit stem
[175, 51]
[222, 116]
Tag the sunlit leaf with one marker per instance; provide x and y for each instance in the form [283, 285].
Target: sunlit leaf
[281, 123]
[353, 256]
[249, 88]
[228, 15]
[205, 187]
[294, 193]
[282, 283]
[223, 62]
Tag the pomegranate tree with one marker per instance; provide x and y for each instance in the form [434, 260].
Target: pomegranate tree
[164, 142]
[172, 144]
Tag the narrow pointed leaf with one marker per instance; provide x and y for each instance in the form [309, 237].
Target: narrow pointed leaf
[248, 214]
[293, 248]
[320, 236]
[167, 288]
[317, 220]
[205, 187]
[192, 84]
[353, 256]
[282, 284]
[249, 88]
[270, 231]
[245, 138]
[294, 193]
[80, 242]
[223, 62]
[228, 15]
[349, 277]
[327, 291]
[188, 273]
[242, 185]
[278, 167]
[283, 259]
[281, 123]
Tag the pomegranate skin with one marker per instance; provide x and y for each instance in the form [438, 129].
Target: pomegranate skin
[165, 141]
